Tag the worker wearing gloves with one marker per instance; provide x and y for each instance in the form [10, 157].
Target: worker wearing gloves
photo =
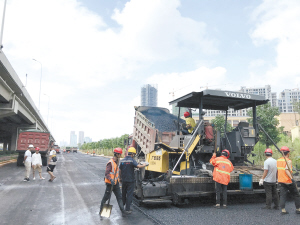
[286, 181]
[190, 123]
[221, 175]
[112, 178]
[127, 166]
[269, 180]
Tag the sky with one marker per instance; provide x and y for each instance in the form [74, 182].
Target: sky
[95, 55]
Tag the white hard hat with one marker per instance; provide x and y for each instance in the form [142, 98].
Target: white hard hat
[31, 146]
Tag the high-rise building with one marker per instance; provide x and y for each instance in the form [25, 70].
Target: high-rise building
[286, 99]
[87, 139]
[264, 91]
[236, 116]
[81, 137]
[73, 139]
[149, 95]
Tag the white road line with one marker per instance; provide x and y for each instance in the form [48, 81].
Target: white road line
[62, 197]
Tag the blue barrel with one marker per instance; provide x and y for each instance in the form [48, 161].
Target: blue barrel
[246, 182]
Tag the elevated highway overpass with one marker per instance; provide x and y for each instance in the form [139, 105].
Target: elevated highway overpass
[17, 109]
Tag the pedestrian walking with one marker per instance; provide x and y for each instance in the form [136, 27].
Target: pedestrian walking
[111, 180]
[37, 163]
[221, 175]
[127, 166]
[286, 181]
[51, 164]
[27, 161]
[269, 180]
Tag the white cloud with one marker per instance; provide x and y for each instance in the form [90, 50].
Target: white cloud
[186, 82]
[277, 24]
[257, 63]
[79, 51]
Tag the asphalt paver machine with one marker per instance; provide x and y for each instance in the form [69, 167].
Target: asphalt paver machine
[179, 167]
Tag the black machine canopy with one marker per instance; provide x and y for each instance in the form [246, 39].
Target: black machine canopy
[219, 100]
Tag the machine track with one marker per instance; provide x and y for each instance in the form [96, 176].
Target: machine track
[135, 204]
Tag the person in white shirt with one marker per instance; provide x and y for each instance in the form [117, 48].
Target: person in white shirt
[51, 164]
[37, 163]
[27, 161]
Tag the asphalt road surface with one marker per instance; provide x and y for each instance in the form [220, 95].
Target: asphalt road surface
[74, 198]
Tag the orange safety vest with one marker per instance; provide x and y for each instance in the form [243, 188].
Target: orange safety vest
[222, 170]
[282, 176]
[114, 173]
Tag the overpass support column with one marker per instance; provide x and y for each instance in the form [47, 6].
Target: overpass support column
[13, 140]
[5, 145]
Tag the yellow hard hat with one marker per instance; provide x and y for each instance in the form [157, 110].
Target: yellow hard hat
[132, 150]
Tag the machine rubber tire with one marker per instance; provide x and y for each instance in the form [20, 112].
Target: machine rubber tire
[20, 160]
[44, 161]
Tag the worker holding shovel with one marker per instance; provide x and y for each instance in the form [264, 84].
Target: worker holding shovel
[112, 184]
[286, 181]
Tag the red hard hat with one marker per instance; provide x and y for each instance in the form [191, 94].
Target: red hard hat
[228, 153]
[37, 148]
[118, 150]
[285, 149]
[186, 114]
[268, 150]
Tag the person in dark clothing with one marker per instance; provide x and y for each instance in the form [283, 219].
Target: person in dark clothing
[112, 178]
[127, 166]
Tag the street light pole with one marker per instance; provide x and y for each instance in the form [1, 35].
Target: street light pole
[40, 81]
[2, 28]
[48, 108]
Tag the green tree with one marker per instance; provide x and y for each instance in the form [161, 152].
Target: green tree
[296, 108]
[266, 118]
[219, 123]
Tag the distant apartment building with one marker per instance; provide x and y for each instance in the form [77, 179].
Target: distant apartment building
[264, 91]
[81, 137]
[87, 140]
[149, 95]
[286, 99]
[73, 139]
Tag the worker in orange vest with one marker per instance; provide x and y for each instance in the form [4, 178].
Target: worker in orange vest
[112, 178]
[286, 181]
[221, 175]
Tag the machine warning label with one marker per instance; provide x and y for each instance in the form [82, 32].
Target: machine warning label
[156, 157]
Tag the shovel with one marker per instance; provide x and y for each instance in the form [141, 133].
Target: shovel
[106, 210]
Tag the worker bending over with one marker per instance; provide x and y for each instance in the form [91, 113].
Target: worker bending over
[286, 181]
[112, 178]
[127, 166]
[269, 180]
[221, 175]
[190, 123]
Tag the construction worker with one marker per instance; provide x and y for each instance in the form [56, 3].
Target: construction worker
[112, 178]
[269, 180]
[286, 181]
[190, 123]
[221, 175]
[127, 166]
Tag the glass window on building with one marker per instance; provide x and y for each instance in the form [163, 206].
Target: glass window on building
[235, 123]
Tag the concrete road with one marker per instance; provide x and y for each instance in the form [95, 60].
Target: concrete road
[75, 195]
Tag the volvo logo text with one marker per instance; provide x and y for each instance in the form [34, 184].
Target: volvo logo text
[237, 95]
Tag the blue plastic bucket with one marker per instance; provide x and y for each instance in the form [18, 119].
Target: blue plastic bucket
[246, 182]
